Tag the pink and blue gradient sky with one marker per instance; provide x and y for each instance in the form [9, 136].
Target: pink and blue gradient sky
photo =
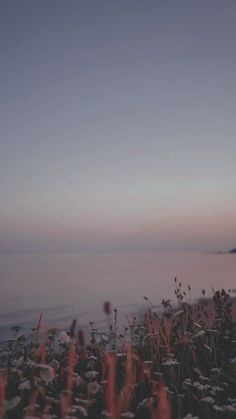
[117, 125]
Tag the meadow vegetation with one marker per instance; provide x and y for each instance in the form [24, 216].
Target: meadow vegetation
[177, 362]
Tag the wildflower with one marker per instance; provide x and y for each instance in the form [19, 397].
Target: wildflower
[200, 333]
[21, 338]
[214, 331]
[82, 411]
[81, 338]
[158, 374]
[146, 401]
[197, 325]
[230, 408]
[171, 393]
[233, 401]
[218, 408]
[127, 415]
[200, 386]
[104, 382]
[92, 357]
[91, 363]
[55, 364]
[177, 313]
[187, 383]
[78, 411]
[72, 328]
[19, 362]
[104, 337]
[24, 385]
[216, 388]
[93, 387]
[106, 414]
[107, 307]
[52, 331]
[170, 355]
[91, 374]
[215, 370]
[170, 363]
[204, 379]
[78, 380]
[64, 338]
[13, 403]
[148, 363]
[121, 355]
[207, 347]
[208, 400]
[74, 408]
[46, 373]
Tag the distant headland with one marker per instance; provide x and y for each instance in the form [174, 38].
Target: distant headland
[223, 252]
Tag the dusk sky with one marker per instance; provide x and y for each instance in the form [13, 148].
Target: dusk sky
[118, 125]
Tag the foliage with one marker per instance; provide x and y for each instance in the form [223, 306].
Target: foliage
[178, 362]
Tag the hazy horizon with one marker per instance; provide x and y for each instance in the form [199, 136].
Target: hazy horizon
[117, 126]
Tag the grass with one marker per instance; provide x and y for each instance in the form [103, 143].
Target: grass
[177, 363]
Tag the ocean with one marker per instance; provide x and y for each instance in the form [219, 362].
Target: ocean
[67, 286]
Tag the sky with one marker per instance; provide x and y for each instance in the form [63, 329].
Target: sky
[117, 125]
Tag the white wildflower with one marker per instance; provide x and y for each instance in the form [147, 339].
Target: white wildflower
[200, 333]
[19, 362]
[229, 408]
[121, 355]
[187, 383]
[63, 338]
[91, 374]
[170, 363]
[24, 385]
[200, 386]
[233, 401]
[147, 362]
[13, 403]
[83, 411]
[92, 357]
[218, 408]
[106, 414]
[158, 374]
[217, 388]
[214, 331]
[208, 400]
[78, 380]
[127, 415]
[46, 373]
[75, 408]
[215, 370]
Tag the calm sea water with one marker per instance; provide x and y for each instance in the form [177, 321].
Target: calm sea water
[65, 286]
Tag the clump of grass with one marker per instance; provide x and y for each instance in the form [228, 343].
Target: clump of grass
[178, 362]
